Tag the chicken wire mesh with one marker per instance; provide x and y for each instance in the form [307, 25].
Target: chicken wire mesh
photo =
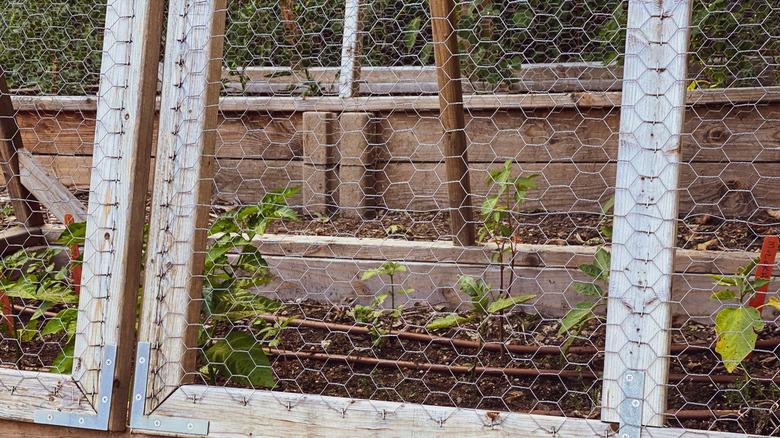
[328, 267]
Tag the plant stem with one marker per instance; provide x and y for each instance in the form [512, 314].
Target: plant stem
[392, 291]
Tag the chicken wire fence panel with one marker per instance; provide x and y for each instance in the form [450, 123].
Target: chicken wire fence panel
[300, 236]
[70, 272]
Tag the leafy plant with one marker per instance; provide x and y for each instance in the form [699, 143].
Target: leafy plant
[484, 304]
[737, 326]
[499, 223]
[233, 267]
[371, 314]
[577, 318]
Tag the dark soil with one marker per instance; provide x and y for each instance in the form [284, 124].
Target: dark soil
[754, 396]
[699, 232]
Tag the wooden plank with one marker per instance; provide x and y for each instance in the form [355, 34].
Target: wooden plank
[645, 216]
[48, 190]
[411, 80]
[17, 238]
[356, 169]
[350, 50]
[714, 133]
[730, 190]
[179, 218]
[117, 202]
[33, 430]
[585, 99]
[249, 413]
[23, 392]
[320, 158]
[444, 21]
[26, 208]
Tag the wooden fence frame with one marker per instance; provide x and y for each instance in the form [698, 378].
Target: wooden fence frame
[94, 396]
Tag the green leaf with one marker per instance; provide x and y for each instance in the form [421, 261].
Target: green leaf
[602, 261]
[74, 234]
[411, 32]
[736, 328]
[63, 363]
[447, 322]
[65, 321]
[723, 280]
[774, 302]
[759, 283]
[240, 358]
[608, 205]
[477, 290]
[723, 295]
[589, 289]
[579, 314]
[502, 304]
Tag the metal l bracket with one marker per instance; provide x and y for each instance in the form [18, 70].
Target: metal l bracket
[99, 421]
[630, 409]
[140, 421]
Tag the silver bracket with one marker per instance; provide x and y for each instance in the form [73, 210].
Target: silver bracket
[140, 421]
[99, 421]
[630, 409]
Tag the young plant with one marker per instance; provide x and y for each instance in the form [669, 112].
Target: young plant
[371, 314]
[481, 294]
[499, 222]
[737, 326]
[233, 267]
[578, 317]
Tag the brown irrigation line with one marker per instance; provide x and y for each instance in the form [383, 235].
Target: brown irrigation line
[508, 371]
[489, 346]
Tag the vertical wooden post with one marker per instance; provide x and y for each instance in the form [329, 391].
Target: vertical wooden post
[320, 158]
[350, 50]
[451, 104]
[173, 281]
[356, 191]
[117, 202]
[26, 207]
[636, 362]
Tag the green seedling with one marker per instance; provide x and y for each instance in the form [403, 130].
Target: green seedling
[578, 317]
[482, 299]
[371, 314]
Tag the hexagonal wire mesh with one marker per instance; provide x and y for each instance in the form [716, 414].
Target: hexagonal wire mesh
[365, 181]
[69, 286]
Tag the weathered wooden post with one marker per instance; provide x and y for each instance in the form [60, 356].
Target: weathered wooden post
[636, 362]
[445, 40]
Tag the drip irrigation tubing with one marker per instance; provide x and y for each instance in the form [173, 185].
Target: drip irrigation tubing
[763, 344]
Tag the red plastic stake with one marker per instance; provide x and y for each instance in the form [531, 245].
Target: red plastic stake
[8, 315]
[764, 269]
[75, 273]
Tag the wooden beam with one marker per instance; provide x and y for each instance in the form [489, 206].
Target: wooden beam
[20, 429]
[179, 218]
[445, 43]
[636, 361]
[357, 146]
[49, 190]
[584, 99]
[320, 160]
[24, 392]
[248, 413]
[350, 50]
[117, 202]
[15, 239]
[26, 207]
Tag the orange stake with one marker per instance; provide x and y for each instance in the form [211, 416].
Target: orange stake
[75, 273]
[8, 315]
[764, 269]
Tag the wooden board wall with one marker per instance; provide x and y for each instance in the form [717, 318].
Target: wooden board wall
[730, 153]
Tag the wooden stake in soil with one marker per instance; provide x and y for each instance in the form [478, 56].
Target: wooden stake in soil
[446, 51]
[26, 207]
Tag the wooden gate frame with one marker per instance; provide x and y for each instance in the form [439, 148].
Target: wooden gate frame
[163, 399]
[94, 396]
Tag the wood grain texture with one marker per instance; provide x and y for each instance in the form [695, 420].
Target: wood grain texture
[444, 21]
[23, 392]
[118, 189]
[646, 206]
[17, 238]
[248, 413]
[320, 160]
[349, 74]
[357, 145]
[177, 230]
[26, 207]
[49, 191]
[33, 430]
